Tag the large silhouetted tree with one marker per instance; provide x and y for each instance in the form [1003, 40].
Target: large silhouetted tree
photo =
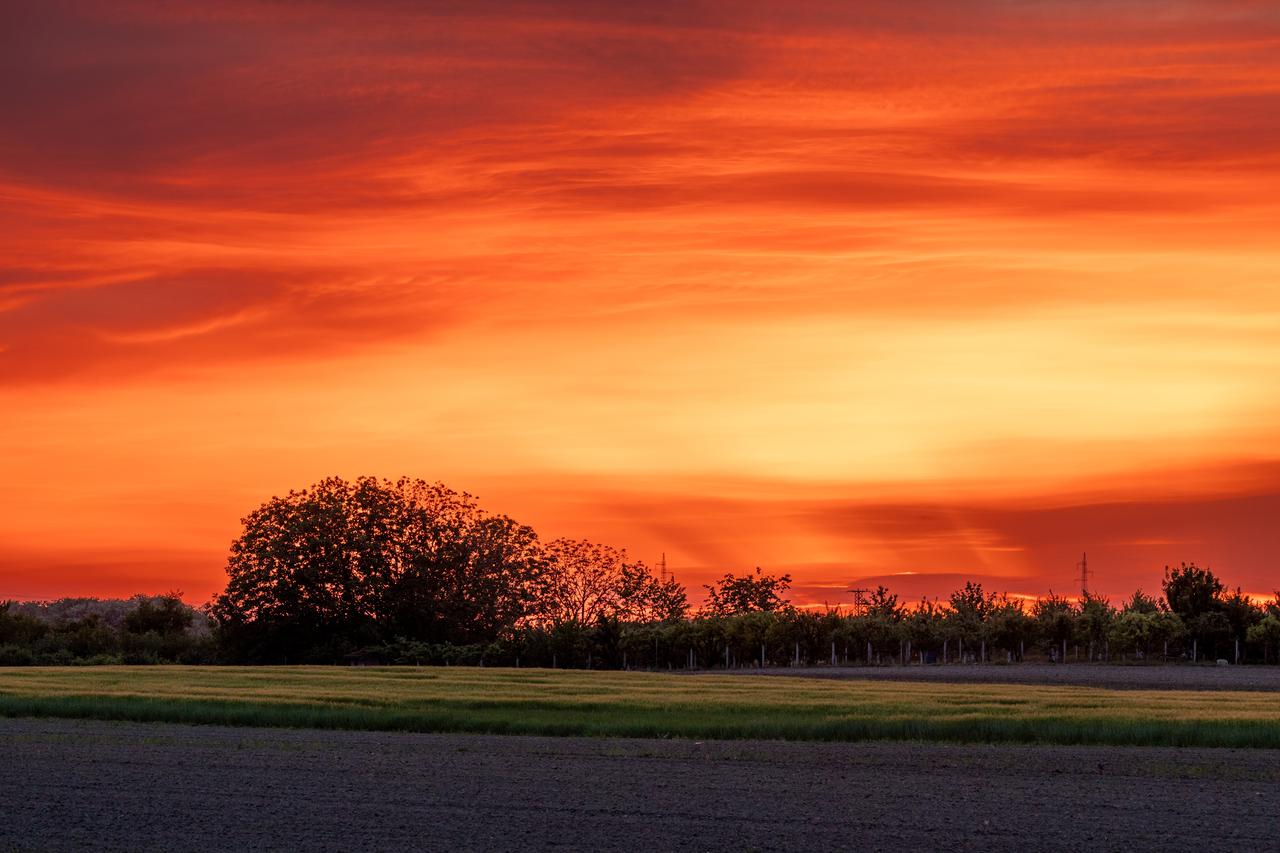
[325, 570]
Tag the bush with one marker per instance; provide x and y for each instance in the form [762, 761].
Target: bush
[12, 655]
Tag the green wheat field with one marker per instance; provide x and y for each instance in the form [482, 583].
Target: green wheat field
[647, 705]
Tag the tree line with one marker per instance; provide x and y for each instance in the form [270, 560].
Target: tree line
[139, 630]
[410, 572]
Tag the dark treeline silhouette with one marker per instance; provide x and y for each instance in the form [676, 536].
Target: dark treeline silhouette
[408, 572]
[142, 629]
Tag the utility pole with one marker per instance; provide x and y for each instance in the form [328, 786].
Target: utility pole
[859, 599]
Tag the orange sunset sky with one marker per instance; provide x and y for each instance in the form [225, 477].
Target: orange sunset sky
[915, 291]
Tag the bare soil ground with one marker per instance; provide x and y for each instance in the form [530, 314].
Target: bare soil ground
[1111, 676]
[76, 785]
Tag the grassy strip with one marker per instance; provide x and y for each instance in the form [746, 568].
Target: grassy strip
[642, 705]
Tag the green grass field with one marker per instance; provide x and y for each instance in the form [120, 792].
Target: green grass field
[541, 702]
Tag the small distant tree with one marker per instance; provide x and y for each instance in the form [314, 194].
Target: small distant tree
[1191, 591]
[646, 598]
[884, 622]
[925, 626]
[584, 581]
[1167, 627]
[1197, 596]
[885, 604]
[1241, 613]
[166, 615]
[970, 609]
[1010, 627]
[668, 601]
[732, 594]
[1211, 632]
[19, 629]
[1130, 632]
[972, 602]
[1266, 633]
[88, 637]
[1140, 602]
[1054, 618]
[747, 635]
[1093, 621]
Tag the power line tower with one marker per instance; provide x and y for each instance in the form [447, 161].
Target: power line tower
[1083, 566]
[662, 567]
[859, 599]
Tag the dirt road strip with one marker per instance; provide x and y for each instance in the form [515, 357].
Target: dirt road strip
[72, 785]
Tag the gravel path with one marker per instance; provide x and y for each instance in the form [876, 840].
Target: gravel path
[1115, 677]
[79, 785]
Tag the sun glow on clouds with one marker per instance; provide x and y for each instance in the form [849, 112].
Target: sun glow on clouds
[848, 293]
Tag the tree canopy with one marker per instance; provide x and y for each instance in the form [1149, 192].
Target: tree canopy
[735, 594]
[324, 572]
[1191, 591]
[328, 569]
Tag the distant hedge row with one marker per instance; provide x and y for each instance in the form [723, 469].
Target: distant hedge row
[971, 625]
[140, 630]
